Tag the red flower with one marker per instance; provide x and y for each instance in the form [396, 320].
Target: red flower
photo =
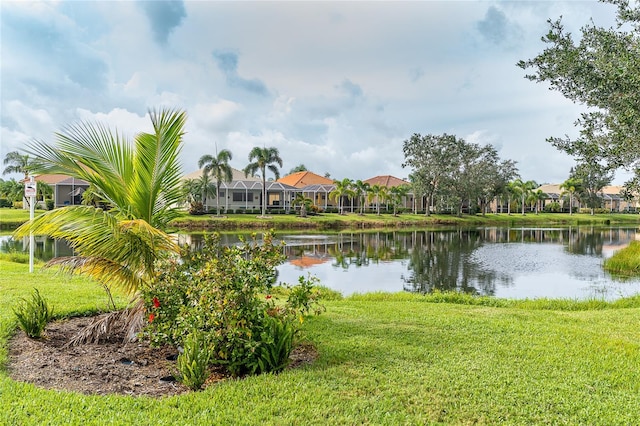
[156, 302]
[152, 316]
[268, 296]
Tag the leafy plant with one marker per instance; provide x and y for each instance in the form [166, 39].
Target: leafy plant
[305, 296]
[275, 347]
[193, 362]
[220, 291]
[33, 314]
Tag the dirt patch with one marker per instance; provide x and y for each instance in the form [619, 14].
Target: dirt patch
[109, 367]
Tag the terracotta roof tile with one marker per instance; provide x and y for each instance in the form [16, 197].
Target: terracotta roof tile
[302, 179]
[387, 180]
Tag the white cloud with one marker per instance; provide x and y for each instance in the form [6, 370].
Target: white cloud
[336, 86]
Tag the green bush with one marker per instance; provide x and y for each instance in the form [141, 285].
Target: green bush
[49, 203]
[17, 204]
[33, 315]
[193, 362]
[5, 203]
[225, 293]
[276, 343]
[553, 207]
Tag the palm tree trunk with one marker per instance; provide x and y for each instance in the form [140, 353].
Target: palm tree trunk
[264, 192]
[218, 199]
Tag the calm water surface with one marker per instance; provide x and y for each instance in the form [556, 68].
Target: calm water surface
[513, 263]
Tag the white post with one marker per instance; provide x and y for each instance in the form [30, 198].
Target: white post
[32, 208]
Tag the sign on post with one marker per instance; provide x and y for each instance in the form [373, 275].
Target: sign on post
[30, 189]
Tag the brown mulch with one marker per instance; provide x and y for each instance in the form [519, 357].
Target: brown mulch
[109, 367]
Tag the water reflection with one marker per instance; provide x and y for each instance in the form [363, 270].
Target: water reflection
[44, 249]
[500, 261]
[442, 261]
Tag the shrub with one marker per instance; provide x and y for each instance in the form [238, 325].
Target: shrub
[553, 207]
[225, 293]
[193, 362]
[33, 315]
[276, 344]
[49, 203]
[17, 204]
[5, 203]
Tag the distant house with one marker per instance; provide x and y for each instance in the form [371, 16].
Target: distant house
[67, 191]
[389, 182]
[612, 198]
[313, 186]
[245, 193]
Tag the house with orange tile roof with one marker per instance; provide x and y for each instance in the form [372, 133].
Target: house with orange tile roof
[312, 186]
[66, 190]
[389, 182]
[306, 178]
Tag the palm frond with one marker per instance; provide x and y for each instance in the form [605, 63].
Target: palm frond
[116, 252]
[89, 151]
[130, 320]
[156, 186]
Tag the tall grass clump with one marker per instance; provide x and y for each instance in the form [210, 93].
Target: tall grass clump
[625, 261]
[33, 314]
[193, 362]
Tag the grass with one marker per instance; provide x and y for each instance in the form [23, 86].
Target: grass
[384, 359]
[625, 262]
[12, 218]
[406, 220]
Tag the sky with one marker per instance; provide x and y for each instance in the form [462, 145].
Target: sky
[336, 86]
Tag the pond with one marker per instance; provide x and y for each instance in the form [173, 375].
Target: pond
[514, 263]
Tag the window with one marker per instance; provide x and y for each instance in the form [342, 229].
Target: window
[242, 196]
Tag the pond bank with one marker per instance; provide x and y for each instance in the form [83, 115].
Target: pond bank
[10, 219]
[354, 221]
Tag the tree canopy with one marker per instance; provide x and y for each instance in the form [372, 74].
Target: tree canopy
[447, 170]
[262, 159]
[218, 167]
[601, 70]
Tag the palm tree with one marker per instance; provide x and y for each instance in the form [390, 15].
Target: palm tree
[219, 167]
[304, 202]
[570, 186]
[524, 188]
[191, 191]
[17, 163]
[380, 193]
[536, 197]
[206, 188]
[343, 188]
[396, 194]
[141, 183]
[265, 158]
[513, 194]
[11, 190]
[361, 190]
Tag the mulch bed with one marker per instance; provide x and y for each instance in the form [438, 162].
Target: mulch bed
[108, 367]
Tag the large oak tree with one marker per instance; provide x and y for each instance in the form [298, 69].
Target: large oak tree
[600, 70]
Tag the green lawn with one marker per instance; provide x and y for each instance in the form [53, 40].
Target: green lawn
[11, 218]
[405, 220]
[384, 359]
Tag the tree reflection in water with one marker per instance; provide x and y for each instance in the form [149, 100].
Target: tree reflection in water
[468, 260]
[442, 261]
